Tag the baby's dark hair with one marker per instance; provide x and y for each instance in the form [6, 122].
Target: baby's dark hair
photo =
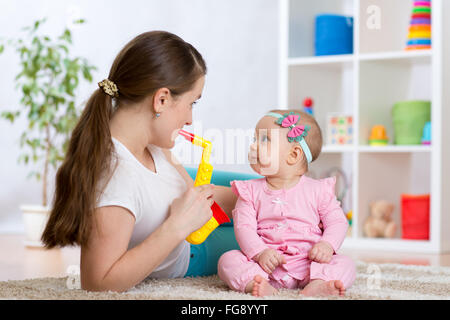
[314, 138]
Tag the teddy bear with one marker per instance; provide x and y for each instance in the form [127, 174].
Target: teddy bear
[380, 223]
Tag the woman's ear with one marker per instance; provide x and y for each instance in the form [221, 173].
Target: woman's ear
[161, 99]
[295, 155]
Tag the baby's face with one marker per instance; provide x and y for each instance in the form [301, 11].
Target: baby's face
[270, 147]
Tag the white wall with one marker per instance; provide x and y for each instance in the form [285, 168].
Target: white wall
[238, 39]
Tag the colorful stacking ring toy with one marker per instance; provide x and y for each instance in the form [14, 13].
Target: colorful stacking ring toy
[419, 35]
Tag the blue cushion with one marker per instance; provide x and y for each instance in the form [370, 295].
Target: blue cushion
[223, 178]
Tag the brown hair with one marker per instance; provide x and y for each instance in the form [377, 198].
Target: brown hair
[150, 61]
[314, 137]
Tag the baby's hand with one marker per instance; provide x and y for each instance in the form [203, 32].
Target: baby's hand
[321, 252]
[269, 259]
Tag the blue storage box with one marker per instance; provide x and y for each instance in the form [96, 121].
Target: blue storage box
[333, 34]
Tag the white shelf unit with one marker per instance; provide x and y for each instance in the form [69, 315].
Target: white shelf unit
[366, 84]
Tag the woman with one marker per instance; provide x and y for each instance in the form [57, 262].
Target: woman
[119, 193]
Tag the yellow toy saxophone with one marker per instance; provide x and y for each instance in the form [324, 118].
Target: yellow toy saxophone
[204, 174]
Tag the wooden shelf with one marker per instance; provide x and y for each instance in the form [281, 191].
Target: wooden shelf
[321, 60]
[395, 148]
[398, 56]
[366, 85]
[377, 149]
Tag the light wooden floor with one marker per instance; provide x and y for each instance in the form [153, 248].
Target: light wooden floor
[18, 262]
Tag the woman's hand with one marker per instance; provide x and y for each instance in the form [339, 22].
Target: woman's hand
[269, 259]
[192, 210]
[321, 252]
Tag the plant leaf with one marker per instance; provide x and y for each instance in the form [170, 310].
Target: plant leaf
[46, 81]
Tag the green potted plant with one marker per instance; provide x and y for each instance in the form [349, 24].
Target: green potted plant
[48, 77]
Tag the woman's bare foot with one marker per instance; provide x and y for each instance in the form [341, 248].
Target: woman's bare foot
[260, 287]
[324, 288]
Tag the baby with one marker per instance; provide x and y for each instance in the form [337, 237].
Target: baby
[276, 218]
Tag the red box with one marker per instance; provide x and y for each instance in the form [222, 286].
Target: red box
[415, 216]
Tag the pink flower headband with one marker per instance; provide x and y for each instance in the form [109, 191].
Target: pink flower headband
[297, 133]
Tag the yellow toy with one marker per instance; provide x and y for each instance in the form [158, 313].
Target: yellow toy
[349, 216]
[378, 136]
[204, 174]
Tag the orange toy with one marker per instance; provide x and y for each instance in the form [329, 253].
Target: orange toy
[378, 136]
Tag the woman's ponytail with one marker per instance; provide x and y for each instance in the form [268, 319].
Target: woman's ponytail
[150, 61]
[87, 159]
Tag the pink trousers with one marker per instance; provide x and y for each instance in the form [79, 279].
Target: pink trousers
[236, 270]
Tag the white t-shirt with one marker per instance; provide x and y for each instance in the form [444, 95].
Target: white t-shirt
[147, 195]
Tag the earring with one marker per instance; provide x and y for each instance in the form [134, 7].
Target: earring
[158, 114]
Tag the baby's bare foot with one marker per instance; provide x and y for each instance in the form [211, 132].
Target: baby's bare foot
[261, 287]
[324, 288]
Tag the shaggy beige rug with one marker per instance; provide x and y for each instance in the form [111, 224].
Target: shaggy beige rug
[374, 281]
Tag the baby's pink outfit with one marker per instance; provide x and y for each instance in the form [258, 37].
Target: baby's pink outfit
[287, 221]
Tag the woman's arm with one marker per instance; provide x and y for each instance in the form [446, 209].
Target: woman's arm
[224, 197]
[107, 264]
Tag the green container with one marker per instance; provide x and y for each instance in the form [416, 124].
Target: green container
[409, 118]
